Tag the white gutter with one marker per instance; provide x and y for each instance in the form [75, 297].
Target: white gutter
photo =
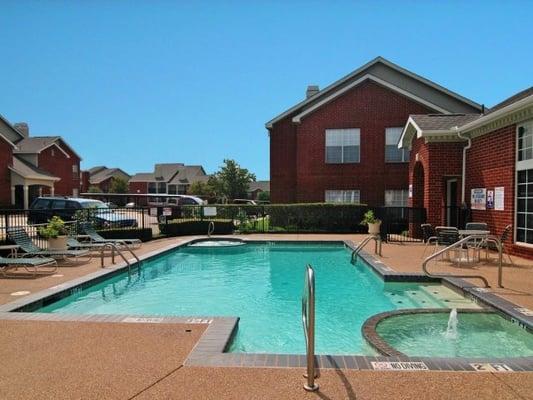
[463, 178]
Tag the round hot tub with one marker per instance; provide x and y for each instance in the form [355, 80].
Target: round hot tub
[448, 333]
[215, 242]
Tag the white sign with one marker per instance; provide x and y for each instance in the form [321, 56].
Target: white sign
[167, 211]
[490, 199]
[478, 199]
[399, 366]
[153, 211]
[499, 197]
[410, 190]
[210, 211]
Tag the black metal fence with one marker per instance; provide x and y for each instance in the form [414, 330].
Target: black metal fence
[102, 218]
[398, 223]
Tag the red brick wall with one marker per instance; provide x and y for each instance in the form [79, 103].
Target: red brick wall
[6, 160]
[55, 162]
[302, 175]
[139, 188]
[490, 163]
[85, 181]
[283, 162]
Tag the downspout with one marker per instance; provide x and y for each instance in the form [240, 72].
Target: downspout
[463, 178]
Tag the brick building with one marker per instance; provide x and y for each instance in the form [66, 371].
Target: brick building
[495, 148]
[33, 166]
[172, 178]
[340, 143]
[101, 177]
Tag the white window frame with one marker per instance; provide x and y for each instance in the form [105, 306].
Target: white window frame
[403, 194]
[404, 152]
[354, 194]
[521, 166]
[345, 143]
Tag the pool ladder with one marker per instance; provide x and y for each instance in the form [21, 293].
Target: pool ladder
[114, 248]
[308, 322]
[483, 239]
[360, 246]
[210, 228]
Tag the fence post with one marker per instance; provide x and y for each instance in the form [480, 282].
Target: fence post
[142, 213]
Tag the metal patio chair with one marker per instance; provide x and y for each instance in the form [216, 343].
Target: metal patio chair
[95, 237]
[35, 266]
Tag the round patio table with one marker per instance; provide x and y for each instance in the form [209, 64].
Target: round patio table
[468, 232]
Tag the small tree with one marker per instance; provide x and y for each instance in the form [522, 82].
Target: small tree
[200, 188]
[263, 196]
[94, 189]
[118, 185]
[231, 181]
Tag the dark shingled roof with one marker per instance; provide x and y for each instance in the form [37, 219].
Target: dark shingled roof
[513, 99]
[261, 185]
[35, 144]
[442, 122]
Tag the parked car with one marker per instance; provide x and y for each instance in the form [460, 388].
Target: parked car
[44, 208]
[247, 202]
[172, 207]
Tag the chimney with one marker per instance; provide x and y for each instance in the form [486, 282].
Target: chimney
[22, 128]
[311, 91]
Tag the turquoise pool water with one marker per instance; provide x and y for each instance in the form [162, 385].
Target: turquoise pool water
[478, 335]
[262, 284]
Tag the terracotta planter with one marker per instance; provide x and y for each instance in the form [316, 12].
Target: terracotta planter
[58, 243]
[373, 229]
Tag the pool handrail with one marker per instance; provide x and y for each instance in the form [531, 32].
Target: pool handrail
[114, 248]
[210, 228]
[360, 246]
[308, 322]
[486, 239]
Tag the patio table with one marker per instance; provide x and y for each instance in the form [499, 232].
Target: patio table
[13, 249]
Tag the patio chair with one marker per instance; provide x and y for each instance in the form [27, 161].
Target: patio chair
[477, 244]
[95, 237]
[503, 238]
[428, 235]
[74, 244]
[35, 266]
[21, 238]
[447, 236]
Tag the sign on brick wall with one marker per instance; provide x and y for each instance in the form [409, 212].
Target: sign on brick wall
[478, 199]
[499, 197]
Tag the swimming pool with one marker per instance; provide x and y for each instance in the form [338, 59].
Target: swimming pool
[262, 284]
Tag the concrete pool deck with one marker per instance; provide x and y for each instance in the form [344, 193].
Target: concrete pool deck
[50, 359]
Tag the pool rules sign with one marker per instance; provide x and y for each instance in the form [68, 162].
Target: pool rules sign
[478, 199]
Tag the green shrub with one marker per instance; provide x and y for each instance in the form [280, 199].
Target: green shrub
[54, 228]
[144, 235]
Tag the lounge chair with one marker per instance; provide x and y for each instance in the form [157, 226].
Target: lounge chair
[32, 265]
[21, 238]
[95, 237]
[74, 244]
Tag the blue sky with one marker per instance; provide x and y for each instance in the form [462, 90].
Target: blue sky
[129, 84]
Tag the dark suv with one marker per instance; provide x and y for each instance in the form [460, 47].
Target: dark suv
[44, 208]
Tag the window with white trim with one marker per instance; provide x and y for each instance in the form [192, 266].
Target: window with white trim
[392, 153]
[343, 196]
[524, 184]
[396, 198]
[342, 146]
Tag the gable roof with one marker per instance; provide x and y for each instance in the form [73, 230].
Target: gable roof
[513, 99]
[106, 173]
[393, 77]
[29, 171]
[36, 144]
[143, 177]
[264, 186]
[9, 133]
[188, 174]
[96, 169]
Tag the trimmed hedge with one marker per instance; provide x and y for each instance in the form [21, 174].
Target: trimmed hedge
[195, 228]
[317, 217]
[131, 233]
[304, 217]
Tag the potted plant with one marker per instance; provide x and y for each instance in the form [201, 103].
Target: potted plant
[373, 223]
[56, 234]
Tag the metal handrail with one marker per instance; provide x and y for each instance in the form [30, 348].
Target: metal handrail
[492, 239]
[114, 248]
[308, 322]
[210, 228]
[377, 246]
